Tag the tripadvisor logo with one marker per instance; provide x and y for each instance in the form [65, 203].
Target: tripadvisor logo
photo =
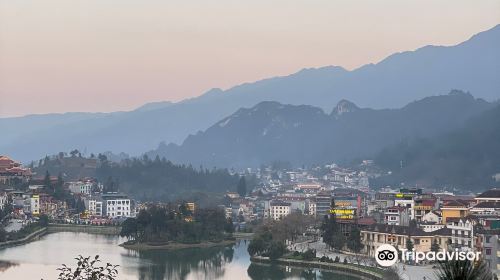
[387, 255]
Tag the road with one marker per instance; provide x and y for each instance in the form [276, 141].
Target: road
[14, 225]
[407, 272]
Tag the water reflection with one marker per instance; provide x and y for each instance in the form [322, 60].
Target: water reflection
[40, 259]
[182, 264]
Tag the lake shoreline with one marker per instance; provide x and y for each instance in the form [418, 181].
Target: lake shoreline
[335, 267]
[176, 245]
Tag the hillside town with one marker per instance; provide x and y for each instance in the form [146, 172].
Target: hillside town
[403, 216]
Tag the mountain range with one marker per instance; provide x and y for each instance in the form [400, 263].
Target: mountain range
[400, 78]
[466, 157]
[303, 134]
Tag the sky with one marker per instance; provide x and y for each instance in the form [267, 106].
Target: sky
[112, 55]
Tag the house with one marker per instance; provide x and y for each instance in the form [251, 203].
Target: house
[488, 243]
[432, 217]
[492, 195]
[279, 209]
[423, 207]
[376, 235]
[397, 215]
[454, 209]
[116, 205]
[462, 233]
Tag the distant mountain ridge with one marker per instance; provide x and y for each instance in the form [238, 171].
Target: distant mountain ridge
[400, 78]
[305, 134]
[467, 157]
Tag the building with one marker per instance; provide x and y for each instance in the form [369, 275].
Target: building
[311, 207]
[488, 243]
[279, 209]
[462, 233]
[81, 187]
[423, 207]
[116, 205]
[323, 203]
[432, 217]
[3, 200]
[374, 236]
[454, 209]
[95, 207]
[35, 205]
[397, 216]
[492, 195]
[12, 171]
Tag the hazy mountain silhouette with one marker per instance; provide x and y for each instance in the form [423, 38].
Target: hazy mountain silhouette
[305, 134]
[400, 78]
[467, 157]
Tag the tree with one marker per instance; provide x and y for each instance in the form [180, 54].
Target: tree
[435, 246]
[129, 228]
[242, 187]
[354, 240]
[87, 269]
[228, 227]
[463, 270]
[43, 220]
[74, 153]
[3, 234]
[80, 206]
[46, 180]
[409, 244]
[276, 250]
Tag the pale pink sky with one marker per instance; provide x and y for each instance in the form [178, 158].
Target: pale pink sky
[108, 55]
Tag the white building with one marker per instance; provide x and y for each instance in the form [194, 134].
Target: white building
[117, 205]
[279, 209]
[462, 231]
[311, 207]
[80, 187]
[3, 200]
[95, 207]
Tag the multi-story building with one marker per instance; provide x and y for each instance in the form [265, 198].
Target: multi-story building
[82, 187]
[279, 209]
[488, 243]
[374, 236]
[323, 203]
[397, 215]
[454, 209]
[95, 207]
[311, 206]
[462, 233]
[423, 207]
[35, 205]
[116, 205]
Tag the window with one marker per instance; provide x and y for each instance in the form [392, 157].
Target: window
[488, 251]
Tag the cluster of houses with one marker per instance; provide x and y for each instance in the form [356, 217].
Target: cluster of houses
[38, 199]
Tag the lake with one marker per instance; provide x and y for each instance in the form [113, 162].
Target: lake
[40, 259]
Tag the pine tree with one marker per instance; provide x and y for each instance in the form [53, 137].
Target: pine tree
[242, 187]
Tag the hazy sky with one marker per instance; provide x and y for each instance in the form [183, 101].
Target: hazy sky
[107, 55]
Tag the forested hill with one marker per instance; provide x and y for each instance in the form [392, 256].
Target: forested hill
[304, 134]
[467, 157]
[148, 179]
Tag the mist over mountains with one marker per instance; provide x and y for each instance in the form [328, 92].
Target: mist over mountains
[397, 80]
[467, 157]
[303, 134]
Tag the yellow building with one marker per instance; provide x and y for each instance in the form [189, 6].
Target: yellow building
[397, 236]
[454, 209]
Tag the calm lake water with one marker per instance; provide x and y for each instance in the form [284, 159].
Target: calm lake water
[40, 259]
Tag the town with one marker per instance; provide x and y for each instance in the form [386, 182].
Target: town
[404, 216]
